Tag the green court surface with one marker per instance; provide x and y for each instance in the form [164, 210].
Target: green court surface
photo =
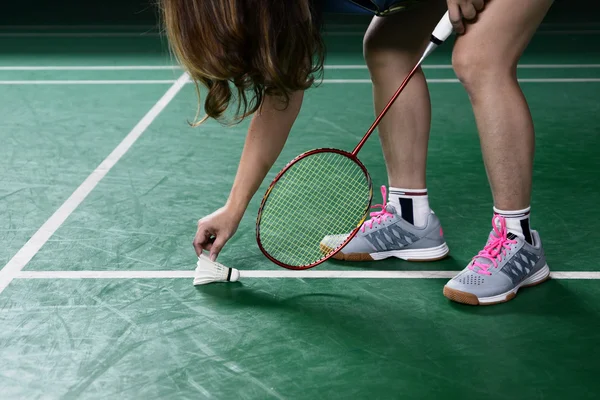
[96, 294]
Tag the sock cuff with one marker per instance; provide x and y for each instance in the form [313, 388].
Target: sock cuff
[513, 213]
[408, 192]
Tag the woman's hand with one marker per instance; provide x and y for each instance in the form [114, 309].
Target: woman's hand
[463, 9]
[215, 230]
[267, 134]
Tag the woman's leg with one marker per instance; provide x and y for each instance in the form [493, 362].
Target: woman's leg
[392, 46]
[410, 231]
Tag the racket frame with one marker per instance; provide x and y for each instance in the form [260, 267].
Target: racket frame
[278, 177]
[442, 31]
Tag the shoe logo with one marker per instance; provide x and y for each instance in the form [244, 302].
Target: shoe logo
[520, 265]
[391, 238]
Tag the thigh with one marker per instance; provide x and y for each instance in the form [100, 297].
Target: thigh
[502, 30]
[405, 31]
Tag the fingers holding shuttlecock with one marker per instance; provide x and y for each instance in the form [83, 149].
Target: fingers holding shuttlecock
[208, 271]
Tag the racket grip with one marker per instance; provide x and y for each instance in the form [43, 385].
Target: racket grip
[443, 30]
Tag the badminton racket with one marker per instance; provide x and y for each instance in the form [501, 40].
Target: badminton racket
[323, 193]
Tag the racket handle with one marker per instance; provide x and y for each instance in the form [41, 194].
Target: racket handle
[443, 30]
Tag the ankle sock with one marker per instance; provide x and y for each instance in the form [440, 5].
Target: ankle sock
[411, 204]
[517, 222]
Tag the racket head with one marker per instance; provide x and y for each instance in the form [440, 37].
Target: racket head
[321, 193]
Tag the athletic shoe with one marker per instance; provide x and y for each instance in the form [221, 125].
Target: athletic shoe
[386, 235]
[505, 264]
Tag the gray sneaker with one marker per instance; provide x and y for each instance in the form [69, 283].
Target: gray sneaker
[505, 264]
[386, 235]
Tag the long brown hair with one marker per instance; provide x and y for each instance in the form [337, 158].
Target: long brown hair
[245, 49]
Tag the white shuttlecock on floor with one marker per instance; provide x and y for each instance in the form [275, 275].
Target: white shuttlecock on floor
[208, 271]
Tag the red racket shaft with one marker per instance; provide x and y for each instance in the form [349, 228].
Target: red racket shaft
[385, 110]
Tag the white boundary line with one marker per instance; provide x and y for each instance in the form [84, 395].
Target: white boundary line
[35, 243]
[454, 80]
[89, 82]
[89, 67]
[274, 274]
[329, 67]
[326, 81]
[449, 66]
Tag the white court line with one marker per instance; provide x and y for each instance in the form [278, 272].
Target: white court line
[89, 82]
[333, 81]
[331, 67]
[449, 66]
[35, 243]
[454, 80]
[88, 67]
[274, 274]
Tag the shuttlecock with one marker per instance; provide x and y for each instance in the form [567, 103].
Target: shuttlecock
[208, 271]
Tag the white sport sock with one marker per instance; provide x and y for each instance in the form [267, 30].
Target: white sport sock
[517, 222]
[411, 204]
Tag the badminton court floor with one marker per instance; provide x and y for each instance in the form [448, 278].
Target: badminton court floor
[102, 182]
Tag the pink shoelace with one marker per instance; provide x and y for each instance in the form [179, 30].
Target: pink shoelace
[495, 249]
[378, 216]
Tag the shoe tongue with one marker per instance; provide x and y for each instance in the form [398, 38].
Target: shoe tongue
[487, 261]
[484, 260]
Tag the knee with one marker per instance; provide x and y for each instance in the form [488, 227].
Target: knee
[376, 49]
[382, 53]
[477, 69]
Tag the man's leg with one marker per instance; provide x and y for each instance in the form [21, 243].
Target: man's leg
[407, 228]
[485, 60]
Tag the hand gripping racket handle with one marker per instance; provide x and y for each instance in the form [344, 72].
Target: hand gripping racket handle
[442, 31]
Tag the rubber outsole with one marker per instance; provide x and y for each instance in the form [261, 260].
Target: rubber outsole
[367, 257]
[472, 300]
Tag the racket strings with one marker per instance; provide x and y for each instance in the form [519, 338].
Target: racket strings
[320, 195]
[303, 176]
[308, 225]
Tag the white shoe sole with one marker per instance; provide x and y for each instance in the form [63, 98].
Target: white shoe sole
[469, 298]
[430, 254]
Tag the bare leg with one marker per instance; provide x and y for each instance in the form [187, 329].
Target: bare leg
[485, 60]
[392, 46]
